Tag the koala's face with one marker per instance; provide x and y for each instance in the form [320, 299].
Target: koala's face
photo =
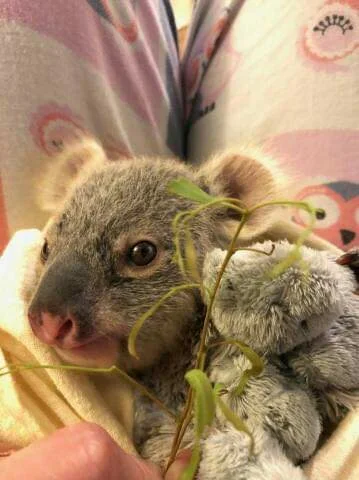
[273, 314]
[107, 258]
[108, 254]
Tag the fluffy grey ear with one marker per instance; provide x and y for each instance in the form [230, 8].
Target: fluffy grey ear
[249, 176]
[67, 170]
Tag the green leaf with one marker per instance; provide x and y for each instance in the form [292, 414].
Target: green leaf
[236, 421]
[191, 257]
[205, 409]
[254, 371]
[293, 257]
[190, 470]
[204, 400]
[187, 189]
[251, 355]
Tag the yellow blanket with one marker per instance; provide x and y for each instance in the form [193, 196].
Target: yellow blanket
[34, 403]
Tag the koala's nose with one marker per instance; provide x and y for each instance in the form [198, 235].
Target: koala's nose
[57, 330]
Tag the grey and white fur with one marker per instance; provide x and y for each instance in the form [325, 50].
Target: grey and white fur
[305, 323]
[107, 257]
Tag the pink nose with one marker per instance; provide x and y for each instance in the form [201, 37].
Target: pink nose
[55, 329]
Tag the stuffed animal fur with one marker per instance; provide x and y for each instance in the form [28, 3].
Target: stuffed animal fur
[305, 324]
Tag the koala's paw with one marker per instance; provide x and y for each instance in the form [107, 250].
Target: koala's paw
[227, 455]
[292, 418]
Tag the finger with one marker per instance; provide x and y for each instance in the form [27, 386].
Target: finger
[133, 468]
[79, 452]
[178, 466]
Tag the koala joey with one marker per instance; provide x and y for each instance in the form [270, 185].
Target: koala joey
[305, 322]
[108, 250]
[107, 257]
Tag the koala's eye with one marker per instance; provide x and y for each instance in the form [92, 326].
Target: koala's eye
[45, 251]
[142, 253]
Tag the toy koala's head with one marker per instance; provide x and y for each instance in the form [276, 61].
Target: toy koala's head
[108, 252]
[274, 314]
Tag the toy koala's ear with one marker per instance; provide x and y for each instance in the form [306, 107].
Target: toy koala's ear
[68, 169]
[249, 176]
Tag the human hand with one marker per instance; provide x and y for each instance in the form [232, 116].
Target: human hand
[81, 452]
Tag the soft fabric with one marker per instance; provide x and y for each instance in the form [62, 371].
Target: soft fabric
[35, 403]
[282, 74]
[338, 459]
[106, 69]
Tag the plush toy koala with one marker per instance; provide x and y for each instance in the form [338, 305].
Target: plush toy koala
[305, 322]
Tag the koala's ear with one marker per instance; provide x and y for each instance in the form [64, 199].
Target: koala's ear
[249, 176]
[68, 169]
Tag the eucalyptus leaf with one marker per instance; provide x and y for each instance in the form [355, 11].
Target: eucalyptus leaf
[251, 355]
[236, 421]
[185, 188]
[254, 371]
[190, 470]
[293, 257]
[191, 257]
[204, 400]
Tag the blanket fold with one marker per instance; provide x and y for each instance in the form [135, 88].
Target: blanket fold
[34, 403]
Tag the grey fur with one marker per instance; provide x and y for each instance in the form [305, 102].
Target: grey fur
[307, 319]
[226, 456]
[117, 205]
[273, 315]
[272, 401]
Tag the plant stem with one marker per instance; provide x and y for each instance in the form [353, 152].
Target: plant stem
[140, 321]
[186, 216]
[230, 251]
[285, 203]
[201, 355]
[181, 428]
[256, 250]
[144, 391]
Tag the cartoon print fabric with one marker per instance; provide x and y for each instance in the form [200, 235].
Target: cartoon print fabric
[79, 67]
[281, 74]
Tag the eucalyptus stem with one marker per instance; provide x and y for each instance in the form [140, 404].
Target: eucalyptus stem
[181, 427]
[13, 368]
[256, 250]
[285, 203]
[186, 216]
[230, 252]
[137, 326]
[201, 355]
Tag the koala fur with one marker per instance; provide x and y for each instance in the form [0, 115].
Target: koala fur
[305, 321]
[88, 294]
[107, 208]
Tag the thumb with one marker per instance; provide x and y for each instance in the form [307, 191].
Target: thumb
[178, 466]
[71, 454]
[133, 468]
